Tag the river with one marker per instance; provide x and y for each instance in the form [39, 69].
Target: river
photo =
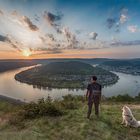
[127, 83]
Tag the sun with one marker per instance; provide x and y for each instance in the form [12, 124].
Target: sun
[26, 52]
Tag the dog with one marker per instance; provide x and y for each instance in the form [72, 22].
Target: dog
[128, 118]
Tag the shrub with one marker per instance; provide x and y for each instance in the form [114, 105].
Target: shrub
[121, 98]
[31, 110]
[68, 97]
[41, 108]
[137, 98]
[52, 110]
[72, 102]
[69, 104]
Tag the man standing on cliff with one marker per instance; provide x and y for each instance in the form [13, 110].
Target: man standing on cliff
[93, 95]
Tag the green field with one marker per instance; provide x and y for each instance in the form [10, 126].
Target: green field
[72, 124]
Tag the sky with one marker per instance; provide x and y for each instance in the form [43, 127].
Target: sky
[69, 29]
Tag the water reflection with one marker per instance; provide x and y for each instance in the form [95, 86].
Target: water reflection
[10, 87]
[50, 88]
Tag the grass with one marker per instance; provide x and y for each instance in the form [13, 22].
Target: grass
[73, 124]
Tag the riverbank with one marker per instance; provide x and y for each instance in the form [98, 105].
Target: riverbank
[12, 88]
[11, 100]
[6, 65]
[131, 66]
[72, 75]
[68, 123]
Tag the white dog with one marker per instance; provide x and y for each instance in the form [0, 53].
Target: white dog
[128, 118]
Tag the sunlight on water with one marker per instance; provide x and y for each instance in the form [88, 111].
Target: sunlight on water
[10, 87]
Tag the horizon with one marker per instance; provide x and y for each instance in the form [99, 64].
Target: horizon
[58, 29]
[68, 58]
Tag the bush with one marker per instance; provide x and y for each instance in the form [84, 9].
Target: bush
[121, 98]
[72, 102]
[70, 97]
[52, 110]
[31, 110]
[137, 98]
[69, 104]
[34, 110]
[41, 108]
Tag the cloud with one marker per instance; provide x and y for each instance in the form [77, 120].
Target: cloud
[93, 35]
[67, 33]
[123, 18]
[60, 46]
[43, 39]
[14, 13]
[133, 28]
[115, 22]
[24, 21]
[110, 22]
[53, 20]
[1, 12]
[123, 15]
[68, 40]
[48, 39]
[30, 24]
[40, 51]
[50, 36]
[3, 38]
[36, 17]
[71, 38]
[8, 40]
[125, 43]
[78, 31]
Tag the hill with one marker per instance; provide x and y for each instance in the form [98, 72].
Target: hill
[117, 63]
[131, 66]
[68, 68]
[6, 65]
[71, 74]
[9, 64]
[23, 122]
